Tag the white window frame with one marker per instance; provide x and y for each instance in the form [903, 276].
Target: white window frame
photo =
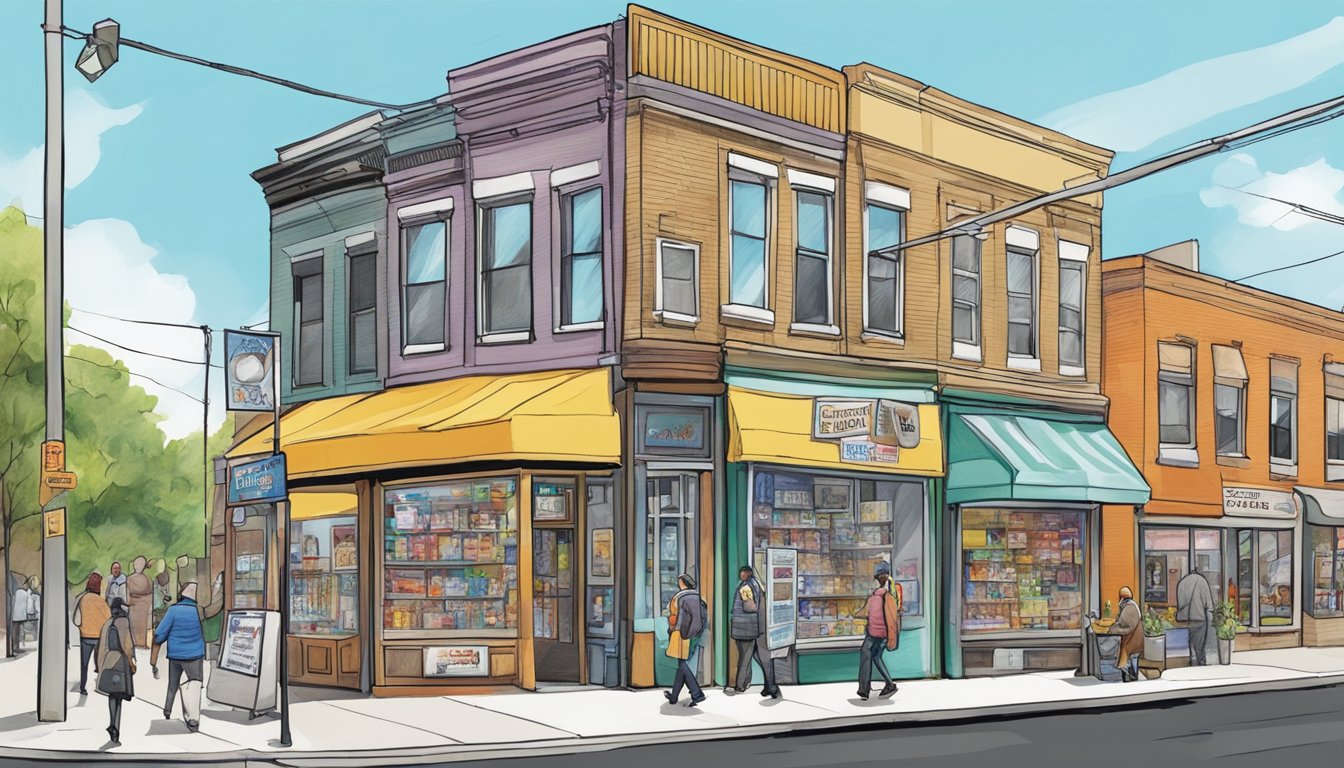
[827, 328]
[751, 171]
[1071, 253]
[408, 218]
[504, 201]
[895, 199]
[962, 350]
[564, 196]
[1025, 242]
[668, 317]
[1180, 454]
[1281, 465]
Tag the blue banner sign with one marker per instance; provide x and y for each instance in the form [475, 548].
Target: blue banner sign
[249, 370]
[257, 482]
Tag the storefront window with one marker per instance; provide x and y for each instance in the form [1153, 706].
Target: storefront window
[1275, 577]
[1245, 578]
[451, 556]
[1326, 574]
[1022, 570]
[842, 528]
[324, 577]
[249, 563]
[670, 539]
[553, 564]
[1169, 553]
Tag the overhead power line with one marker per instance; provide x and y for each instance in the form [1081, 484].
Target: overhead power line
[1290, 266]
[129, 372]
[165, 324]
[231, 69]
[138, 351]
[1305, 210]
[1297, 119]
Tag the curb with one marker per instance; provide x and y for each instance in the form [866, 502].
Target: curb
[578, 744]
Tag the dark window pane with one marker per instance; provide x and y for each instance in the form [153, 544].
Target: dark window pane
[966, 254]
[310, 298]
[1070, 319]
[882, 307]
[425, 313]
[1020, 310]
[748, 214]
[810, 294]
[812, 223]
[1070, 348]
[508, 300]
[963, 323]
[1281, 443]
[363, 344]
[1174, 413]
[1071, 285]
[1227, 422]
[1020, 341]
[965, 289]
[310, 353]
[426, 252]
[363, 282]
[678, 280]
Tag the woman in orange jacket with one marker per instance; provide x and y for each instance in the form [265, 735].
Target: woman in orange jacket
[91, 613]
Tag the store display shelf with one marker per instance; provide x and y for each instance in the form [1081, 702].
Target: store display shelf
[442, 597]
[802, 596]
[421, 532]
[868, 548]
[440, 563]
[992, 581]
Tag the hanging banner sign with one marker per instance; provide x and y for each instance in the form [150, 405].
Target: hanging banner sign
[257, 482]
[896, 424]
[250, 361]
[834, 419]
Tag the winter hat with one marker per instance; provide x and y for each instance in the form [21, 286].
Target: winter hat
[189, 591]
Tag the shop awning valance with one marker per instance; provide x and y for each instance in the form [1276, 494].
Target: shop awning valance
[1013, 457]
[776, 428]
[1320, 506]
[548, 416]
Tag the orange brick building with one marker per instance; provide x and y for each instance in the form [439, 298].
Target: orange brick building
[1229, 399]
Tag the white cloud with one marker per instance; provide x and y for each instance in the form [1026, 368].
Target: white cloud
[1133, 118]
[1316, 186]
[86, 120]
[111, 271]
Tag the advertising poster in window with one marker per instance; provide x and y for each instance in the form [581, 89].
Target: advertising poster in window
[782, 597]
[457, 661]
[241, 650]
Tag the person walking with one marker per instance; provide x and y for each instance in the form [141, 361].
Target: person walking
[116, 585]
[1194, 606]
[685, 624]
[747, 627]
[91, 613]
[115, 664]
[181, 631]
[1129, 625]
[882, 609]
[18, 618]
[141, 591]
[34, 624]
[163, 594]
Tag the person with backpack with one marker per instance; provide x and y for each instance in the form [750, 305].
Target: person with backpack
[115, 665]
[181, 630]
[91, 613]
[687, 613]
[747, 626]
[882, 609]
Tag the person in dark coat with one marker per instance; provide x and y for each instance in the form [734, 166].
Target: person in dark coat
[1194, 606]
[115, 664]
[685, 623]
[747, 626]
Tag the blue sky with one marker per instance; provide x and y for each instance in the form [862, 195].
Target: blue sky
[166, 222]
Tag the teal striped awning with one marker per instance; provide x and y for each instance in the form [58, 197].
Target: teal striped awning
[1011, 457]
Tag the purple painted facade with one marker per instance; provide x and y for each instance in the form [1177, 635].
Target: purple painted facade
[551, 113]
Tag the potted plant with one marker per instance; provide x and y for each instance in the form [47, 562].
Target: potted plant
[1225, 626]
[1155, 626]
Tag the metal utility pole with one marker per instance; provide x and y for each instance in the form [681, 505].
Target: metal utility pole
[53, 643]
[206, 484]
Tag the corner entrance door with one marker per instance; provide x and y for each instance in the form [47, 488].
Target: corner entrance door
[672, 542]
[553, 605]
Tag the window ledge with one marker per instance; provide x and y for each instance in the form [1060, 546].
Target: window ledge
[1277, 472]
[963, 351]
[676, 318]
[1233, 460]
[1178, 457]
[505, 338]
[422, 349]
[1075, 371]
[814, 329]
[883, 337]
[596, 325]
[1334, 470]
[1032, 364]
[756, 315]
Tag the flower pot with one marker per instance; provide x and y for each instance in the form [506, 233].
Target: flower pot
[1155, 648]
[1224, 651]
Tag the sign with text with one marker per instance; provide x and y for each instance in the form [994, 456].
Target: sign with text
[250, 361]
[896, 424]
[457, 661]
[241, 649]
[257, 482]
[833, 419]
[863, 451]
[1258, 502]
[781, 598]
[53, 456]
[675, 429]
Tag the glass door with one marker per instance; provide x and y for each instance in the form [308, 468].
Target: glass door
[672, 539]
[554, 580]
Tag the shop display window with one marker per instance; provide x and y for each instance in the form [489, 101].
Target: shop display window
[1169, 553]
[1275, 582]
[1325, 562]
[249, 563]
[324, 576]
[1022, 570]
[842, 528]
[451, 556]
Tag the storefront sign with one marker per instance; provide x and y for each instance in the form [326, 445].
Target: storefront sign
[1258, 502]
[896, 424]
[781, 597]
[257, 482]
[675, 429]
[241, 649]
[835, 419]
[249, 370]
[864, 451]
[458, 661]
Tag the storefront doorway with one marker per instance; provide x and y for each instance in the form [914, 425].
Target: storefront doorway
[671, 544]
[554, 568]
[324, 594]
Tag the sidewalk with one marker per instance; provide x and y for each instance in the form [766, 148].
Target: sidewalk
[337, 728]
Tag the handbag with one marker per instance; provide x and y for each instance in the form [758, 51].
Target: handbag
[114, 679]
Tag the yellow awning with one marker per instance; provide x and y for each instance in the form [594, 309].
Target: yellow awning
[548, 416]
[777, 428]
[306, 505]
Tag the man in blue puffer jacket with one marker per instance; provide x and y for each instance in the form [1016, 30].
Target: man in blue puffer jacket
[181, 630]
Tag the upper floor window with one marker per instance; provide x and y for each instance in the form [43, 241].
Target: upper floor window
[1283, 415]
[581, 258]
[505, 304]
[1176, 402]
[677, 298]
[361, 302]
[1334, 421]
[966, 296]
[1072, 290]
[1229, 401]
[425, 289]
[1023, 247]
[812, 260]
[748, 221]
[884, 209]
[308, 320]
